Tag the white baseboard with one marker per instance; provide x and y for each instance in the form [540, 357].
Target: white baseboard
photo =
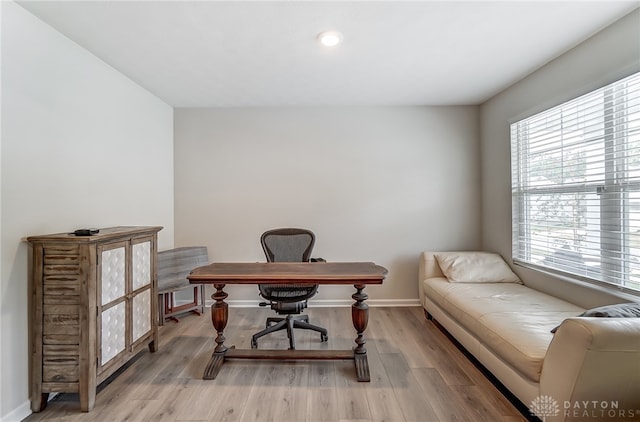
[17, 414]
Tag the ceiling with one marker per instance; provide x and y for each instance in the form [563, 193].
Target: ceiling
[265, 53]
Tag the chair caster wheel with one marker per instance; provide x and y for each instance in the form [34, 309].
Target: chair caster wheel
[324, 337]
[254, 344]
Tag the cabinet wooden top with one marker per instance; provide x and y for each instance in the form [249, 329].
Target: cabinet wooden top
[109, 233]
[289, 272]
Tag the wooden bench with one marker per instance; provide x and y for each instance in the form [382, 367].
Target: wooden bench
[174, 265]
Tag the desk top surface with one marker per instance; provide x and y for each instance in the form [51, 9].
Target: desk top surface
[289, 272]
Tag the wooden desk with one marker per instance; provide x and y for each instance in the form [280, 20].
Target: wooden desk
[359, 274]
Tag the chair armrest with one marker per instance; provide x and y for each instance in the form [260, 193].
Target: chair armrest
[593, 359]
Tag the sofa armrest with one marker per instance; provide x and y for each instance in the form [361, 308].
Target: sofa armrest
[593, 360]
[427, 268]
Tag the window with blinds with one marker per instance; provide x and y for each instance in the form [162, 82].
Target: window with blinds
[576, 187]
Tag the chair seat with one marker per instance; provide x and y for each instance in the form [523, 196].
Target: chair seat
[287, 293]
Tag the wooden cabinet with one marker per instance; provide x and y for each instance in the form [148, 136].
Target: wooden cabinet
[93, 307]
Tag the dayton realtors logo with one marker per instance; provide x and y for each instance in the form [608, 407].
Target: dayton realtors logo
[544, 406]
[547, 406]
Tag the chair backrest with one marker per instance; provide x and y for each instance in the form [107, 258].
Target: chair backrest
[288, 245]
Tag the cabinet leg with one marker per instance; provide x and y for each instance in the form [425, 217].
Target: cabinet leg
[87, 399]
[39, 402]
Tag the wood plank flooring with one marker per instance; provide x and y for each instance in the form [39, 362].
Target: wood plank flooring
[417, 375]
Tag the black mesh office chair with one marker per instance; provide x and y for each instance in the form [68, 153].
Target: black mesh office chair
[287, 245]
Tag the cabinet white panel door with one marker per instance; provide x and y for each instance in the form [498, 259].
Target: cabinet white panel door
[141, 262]
[113, 332]
[141, 314]
[113, 274]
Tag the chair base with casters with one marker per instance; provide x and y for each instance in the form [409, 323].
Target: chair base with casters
[288, 323]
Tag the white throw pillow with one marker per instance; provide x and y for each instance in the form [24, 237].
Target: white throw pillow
[475, 267]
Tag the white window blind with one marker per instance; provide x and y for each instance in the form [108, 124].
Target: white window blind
[576, 187]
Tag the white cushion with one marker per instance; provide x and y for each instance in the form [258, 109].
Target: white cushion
[475, 267]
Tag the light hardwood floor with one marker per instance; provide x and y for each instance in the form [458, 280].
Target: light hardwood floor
[417, 375]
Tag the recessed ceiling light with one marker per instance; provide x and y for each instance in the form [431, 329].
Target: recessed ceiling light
[330, 38]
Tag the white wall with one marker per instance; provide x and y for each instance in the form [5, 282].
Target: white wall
[609, 55]
[82, 146]
[375, 184]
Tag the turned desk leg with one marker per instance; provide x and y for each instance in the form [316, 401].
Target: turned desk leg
[219, 317]
[360, 317]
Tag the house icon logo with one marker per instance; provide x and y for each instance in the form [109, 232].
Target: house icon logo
[543, 406]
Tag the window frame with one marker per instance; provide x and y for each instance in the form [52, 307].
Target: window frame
[614, 192]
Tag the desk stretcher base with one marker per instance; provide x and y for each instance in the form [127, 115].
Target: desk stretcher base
[218, 358]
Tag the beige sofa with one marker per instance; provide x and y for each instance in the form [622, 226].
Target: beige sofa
[589, 365]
